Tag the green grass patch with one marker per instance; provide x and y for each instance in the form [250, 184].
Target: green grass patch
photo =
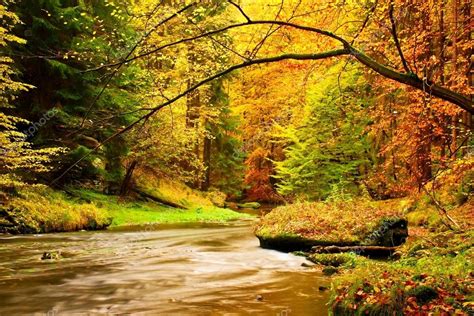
[178, 192]
[343, 260]
[127, 213]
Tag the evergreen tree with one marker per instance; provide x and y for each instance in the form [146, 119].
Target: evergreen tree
[329, 149]
[64, 40]
[226, 158]
[17, 157]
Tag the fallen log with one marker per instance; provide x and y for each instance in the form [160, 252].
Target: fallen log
[372, 251]
[158, 200]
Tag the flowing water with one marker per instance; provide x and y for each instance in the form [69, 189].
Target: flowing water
[161, 270]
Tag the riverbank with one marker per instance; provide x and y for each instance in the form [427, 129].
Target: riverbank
[431, 272]
[43, 210]
[301, 226]
[135, 212]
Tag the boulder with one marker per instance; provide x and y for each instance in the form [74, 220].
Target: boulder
[253, 205]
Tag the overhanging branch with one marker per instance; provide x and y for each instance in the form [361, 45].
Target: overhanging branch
[413, 81]
[324, 55]
[395, 38]
[409, 79]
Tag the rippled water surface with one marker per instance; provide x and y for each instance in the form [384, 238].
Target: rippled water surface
[160, 270]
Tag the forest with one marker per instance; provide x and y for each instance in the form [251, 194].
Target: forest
[236, 157]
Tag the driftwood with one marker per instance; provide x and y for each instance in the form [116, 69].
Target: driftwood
[158, 200]
[375, 251]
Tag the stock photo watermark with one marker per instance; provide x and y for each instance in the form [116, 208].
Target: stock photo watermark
[34, 128]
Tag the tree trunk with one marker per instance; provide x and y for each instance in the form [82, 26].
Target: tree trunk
[193, 104]
[206, 158]
[124, 188]
[470, 70]
[158, 200]
[372, 251]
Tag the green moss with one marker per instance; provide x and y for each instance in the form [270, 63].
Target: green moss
[127, 213]
[345, 260]
[42, 210]
[427, 217]
[330, 270]
[310, 224]
[253, 205]
[423, 293]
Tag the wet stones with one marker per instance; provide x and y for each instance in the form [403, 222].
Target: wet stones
[53, 255]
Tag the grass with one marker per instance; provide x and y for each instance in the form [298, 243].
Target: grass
[177, 192]
[343, 260]
[343, 222]
[126, 213]
[42, 210]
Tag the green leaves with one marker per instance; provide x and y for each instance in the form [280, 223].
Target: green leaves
[325, 150]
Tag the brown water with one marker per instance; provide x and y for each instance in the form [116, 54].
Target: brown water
[161, 270]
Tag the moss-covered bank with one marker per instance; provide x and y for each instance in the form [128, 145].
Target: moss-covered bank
[299, 227]
[43, 210]
[135, 212]
[431, 274]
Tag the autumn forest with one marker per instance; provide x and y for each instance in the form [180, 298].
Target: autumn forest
[288, 157]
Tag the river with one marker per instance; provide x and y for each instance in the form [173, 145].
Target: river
[194, 269]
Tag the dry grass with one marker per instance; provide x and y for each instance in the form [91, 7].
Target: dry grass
[42, 210]
[341, 222]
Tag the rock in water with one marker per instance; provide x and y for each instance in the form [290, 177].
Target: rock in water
[253, 205]
[51, 255]
[329, 271]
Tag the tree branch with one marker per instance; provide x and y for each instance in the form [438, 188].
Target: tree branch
[409, 79]
[240, 10]
[325, 55]
[221, 30]
[413, 81]
[119, 65]
[395, 38]
[364, 24]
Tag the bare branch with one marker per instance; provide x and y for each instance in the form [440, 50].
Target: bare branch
[240, 10]
[409, 79]
[395, 38]
[325, 55]
[413, 81]
[119, 65]
[221, 30]
[364, 24]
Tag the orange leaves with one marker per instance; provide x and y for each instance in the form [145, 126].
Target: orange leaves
[401, 290]
[259, 171]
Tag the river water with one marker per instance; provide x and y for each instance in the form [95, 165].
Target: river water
[194, 269]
